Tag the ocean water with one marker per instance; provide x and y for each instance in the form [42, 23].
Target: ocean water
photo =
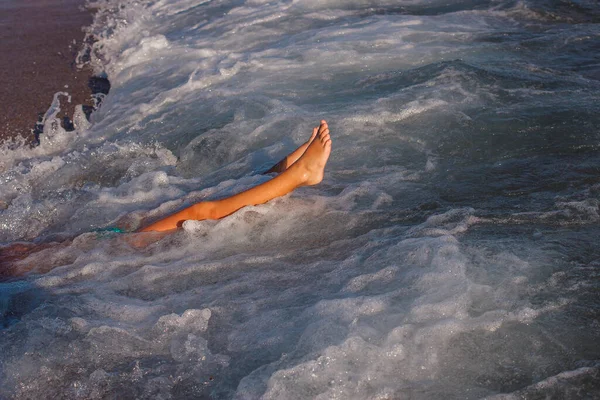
[451, 251]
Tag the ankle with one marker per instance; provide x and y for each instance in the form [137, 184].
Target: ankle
[300, 173]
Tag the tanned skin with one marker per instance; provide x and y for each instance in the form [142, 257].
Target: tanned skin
[303, 167]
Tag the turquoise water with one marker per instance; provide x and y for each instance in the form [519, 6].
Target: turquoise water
[450, 252]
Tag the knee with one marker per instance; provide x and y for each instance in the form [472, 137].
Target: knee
[205, 210]
[212, 210]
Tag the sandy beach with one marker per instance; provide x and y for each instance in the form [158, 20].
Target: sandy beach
[39, 40]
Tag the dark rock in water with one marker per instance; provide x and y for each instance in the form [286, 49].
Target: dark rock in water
[68, 124]
[100, 87]
[37, 130]
[17, 299]
[99, 84]
[88, 110]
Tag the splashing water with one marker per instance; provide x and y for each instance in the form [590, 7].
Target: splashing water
[450, 251]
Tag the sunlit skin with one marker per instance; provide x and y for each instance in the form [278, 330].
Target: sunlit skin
[303, 167]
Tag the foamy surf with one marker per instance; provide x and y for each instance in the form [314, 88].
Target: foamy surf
[450, 251]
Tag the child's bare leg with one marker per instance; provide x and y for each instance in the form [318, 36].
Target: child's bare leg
[291, 158]
[307, 170]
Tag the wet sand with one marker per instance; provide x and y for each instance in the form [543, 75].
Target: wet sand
[39, 40]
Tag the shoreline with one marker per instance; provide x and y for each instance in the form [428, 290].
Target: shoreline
[42, 39]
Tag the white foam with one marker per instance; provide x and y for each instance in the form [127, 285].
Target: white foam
[408, 272]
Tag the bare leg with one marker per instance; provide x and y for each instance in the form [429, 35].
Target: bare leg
[13, 253]
[294, 156]
[307, 170]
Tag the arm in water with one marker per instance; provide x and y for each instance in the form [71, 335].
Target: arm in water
[303, 167]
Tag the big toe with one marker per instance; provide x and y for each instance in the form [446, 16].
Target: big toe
[314, 133]
[323, 126]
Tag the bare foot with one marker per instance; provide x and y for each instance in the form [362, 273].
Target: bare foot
[293, 156]
[312, 163]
